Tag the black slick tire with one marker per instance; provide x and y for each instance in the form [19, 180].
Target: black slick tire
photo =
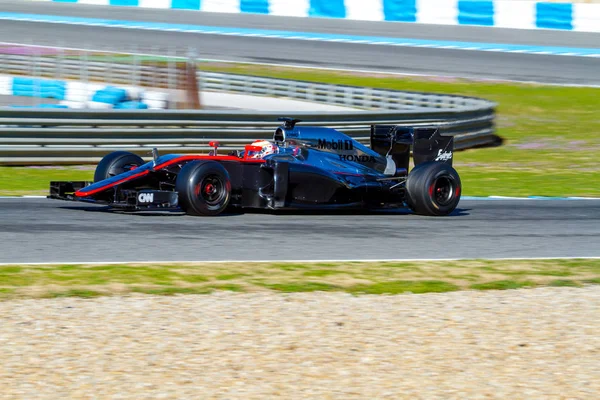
[116, 163]
[433, 189]
[204, 188]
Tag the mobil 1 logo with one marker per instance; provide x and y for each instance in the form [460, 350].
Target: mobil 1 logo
[336, 145]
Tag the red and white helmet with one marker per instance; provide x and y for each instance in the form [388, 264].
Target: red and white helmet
[266, 149]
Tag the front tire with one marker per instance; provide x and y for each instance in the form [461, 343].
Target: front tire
[432, 189]
[204, 188]
[116, 163]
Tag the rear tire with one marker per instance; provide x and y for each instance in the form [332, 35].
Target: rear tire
[433, 188]
[116, 163]
[204, 188]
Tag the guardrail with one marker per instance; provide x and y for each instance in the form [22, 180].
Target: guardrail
[79, 136]
[38, 136]
[350, 96]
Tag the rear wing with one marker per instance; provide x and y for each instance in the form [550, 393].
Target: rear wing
[427, 144]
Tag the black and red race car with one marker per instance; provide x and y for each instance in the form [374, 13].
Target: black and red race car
[305, 168]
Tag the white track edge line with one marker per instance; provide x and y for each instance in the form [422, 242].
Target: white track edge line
[304, 261]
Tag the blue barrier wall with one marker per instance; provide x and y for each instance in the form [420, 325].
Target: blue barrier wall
[329, 8]
[476, 12]
[554, 15]
[254, 6]
[43, 88]
[528, 15]
[400, 10]
[128, 3]
[185, 4]
[118, 98]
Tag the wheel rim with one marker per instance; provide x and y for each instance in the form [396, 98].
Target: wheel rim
[211, 190]
[442, 191]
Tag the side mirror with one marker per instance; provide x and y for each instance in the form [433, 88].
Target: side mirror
[215, 145]
[279, 136]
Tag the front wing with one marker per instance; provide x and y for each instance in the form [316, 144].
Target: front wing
[144, 199]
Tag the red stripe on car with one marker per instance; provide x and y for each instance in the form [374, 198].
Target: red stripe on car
[83, 193]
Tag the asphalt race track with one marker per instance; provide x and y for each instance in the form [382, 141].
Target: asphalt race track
[430, 61]
[43, 230]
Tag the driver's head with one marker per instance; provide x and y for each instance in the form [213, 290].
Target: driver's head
[266, 148]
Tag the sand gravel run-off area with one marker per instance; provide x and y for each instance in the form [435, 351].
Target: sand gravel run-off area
[517, 344]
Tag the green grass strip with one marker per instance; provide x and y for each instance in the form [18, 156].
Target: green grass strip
[40, 281]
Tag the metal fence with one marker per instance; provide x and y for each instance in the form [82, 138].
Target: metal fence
[350, 96]
[169, 72]
[29, 136]
[109, 68]
[64, 136]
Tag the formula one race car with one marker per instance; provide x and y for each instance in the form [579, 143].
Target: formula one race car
[303, 168]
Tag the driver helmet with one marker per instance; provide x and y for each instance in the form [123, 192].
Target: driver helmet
[266, 148]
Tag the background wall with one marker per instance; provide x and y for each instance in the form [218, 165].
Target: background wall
[583, 15]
